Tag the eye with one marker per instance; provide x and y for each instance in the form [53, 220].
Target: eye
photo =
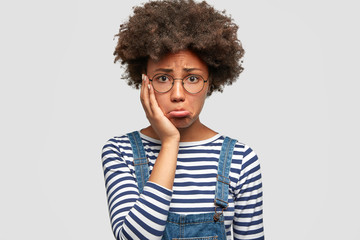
[162, 79]
[193, 79]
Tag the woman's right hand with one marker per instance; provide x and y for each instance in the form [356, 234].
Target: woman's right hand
[162, 126]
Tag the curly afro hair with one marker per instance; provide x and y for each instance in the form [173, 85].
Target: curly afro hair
[161, 27]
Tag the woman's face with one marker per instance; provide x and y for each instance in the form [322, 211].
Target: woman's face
[179, 106]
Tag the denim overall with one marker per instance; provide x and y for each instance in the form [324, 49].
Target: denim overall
[205, 226]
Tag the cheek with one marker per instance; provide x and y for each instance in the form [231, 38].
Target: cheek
[198, 102]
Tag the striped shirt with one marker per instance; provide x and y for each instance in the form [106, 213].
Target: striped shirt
[143, 216]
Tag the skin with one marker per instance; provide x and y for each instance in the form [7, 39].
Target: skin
[167, 126]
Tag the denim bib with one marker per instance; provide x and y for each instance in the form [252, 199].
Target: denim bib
[204, 226]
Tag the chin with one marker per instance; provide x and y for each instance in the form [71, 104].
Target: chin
[182, 123]
[182, 126]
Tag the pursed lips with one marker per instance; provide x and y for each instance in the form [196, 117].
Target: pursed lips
[179, 113]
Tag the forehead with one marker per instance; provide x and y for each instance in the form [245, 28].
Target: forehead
[177, 61]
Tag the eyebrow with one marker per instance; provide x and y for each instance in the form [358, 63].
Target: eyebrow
[168, 70]
[191, 69]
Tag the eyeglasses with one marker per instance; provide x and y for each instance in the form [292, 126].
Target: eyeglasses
[163, 83]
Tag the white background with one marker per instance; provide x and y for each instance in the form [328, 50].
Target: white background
[296, 104]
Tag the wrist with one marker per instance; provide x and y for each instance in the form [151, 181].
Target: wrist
[173, 141]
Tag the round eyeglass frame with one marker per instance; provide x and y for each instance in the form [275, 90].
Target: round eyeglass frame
[182, 82]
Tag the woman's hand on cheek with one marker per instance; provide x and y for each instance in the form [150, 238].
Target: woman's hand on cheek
[163, 127]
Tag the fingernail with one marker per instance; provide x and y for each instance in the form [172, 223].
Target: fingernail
[149, 86]
[143, 77]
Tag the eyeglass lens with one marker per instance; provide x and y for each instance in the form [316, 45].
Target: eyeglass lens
[192, 83]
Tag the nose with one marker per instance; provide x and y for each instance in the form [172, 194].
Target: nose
[177, 93]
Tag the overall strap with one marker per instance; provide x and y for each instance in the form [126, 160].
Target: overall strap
[223, 180]
[140, 160]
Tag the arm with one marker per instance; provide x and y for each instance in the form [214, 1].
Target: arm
[163, 172]
[144, 216]
[248, 219]
[133, 216]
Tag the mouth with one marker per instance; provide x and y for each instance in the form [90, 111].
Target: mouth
[179, 114]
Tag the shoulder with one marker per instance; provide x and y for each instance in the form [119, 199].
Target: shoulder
[243, 154]
[117, 146]
[123, 143]
[240, 147]
[245, 167]
[117, 141]
[117, 154]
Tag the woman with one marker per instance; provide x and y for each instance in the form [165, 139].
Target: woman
[176, 178]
